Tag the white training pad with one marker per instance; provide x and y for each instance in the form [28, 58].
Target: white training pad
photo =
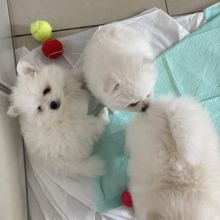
[59, 198]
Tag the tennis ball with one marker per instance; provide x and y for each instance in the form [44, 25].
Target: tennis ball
[52, 48]
[41, 30]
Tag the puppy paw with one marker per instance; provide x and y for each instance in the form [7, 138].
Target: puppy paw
[104, 115]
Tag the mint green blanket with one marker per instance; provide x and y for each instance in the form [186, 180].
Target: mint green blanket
[191, 67]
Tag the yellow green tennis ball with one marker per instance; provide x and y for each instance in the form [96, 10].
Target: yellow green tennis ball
[41, 30]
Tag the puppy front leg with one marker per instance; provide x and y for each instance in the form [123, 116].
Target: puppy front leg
[104, 115]
[95, 126]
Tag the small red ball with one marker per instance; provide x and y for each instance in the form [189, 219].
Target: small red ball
[52, 48]
[126, 199]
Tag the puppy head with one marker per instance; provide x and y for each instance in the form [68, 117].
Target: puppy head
[39, 93]
[119, 68]
[130, 85]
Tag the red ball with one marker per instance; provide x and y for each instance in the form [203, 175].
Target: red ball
[126, 199]
[52, 48]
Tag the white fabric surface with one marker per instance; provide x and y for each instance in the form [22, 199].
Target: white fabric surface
[191, 22]
[56, 198]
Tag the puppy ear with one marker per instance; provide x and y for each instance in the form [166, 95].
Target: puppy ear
[111, 86]
[24, 68]
[13, 111]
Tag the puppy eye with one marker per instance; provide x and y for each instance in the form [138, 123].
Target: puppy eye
[47, 90]
[39, 109]
[133, 104]
[116, 87]
[148, 95]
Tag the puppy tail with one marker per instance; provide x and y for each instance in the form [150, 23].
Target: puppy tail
[91, 167]
[186, 121]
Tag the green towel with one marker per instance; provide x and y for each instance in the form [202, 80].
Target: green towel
[212, 11]
[191, 67]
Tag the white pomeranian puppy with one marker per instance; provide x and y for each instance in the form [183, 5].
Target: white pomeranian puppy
[118, 68]
[58, 132]
[174, 165]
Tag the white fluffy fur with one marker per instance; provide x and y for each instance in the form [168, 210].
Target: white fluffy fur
[59, 140]
[174, 167]
[118, 68]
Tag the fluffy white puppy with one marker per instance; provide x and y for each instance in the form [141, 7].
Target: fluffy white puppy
[118, 68]
[58, 132]
[174, 167]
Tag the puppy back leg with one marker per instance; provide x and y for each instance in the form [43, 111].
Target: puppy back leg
[187, 127]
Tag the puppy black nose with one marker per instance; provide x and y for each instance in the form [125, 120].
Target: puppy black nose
[144, 108]
[54, 105]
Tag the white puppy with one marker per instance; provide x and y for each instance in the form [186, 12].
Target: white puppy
[58, 132]
[118, 68]
[174, 167]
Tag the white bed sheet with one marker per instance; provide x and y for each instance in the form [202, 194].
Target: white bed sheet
[56, 198]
